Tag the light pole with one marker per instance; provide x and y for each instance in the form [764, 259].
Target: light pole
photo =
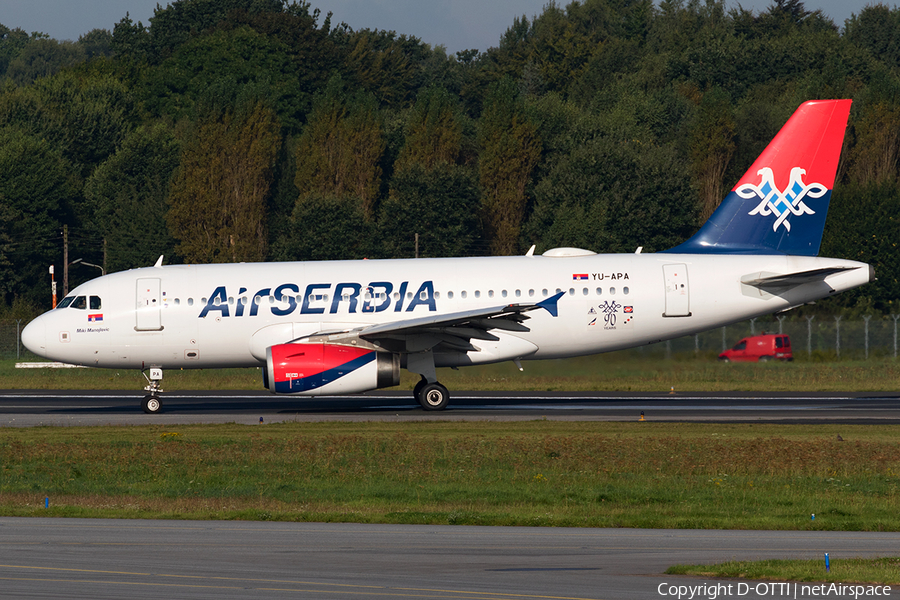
[80, 261]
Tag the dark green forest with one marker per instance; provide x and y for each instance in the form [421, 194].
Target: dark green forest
[260, 130]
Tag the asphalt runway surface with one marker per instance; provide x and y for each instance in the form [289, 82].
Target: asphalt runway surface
[98, 558]
[39, 407]
[75, 558]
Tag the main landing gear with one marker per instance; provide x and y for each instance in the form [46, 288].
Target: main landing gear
[432, 396]
[429, 393]
[151, 402]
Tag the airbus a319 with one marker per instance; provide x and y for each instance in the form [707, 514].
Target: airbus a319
[339, 327]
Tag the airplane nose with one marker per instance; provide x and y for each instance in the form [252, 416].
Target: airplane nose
[34, 336]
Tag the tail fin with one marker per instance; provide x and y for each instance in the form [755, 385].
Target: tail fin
[779, 205]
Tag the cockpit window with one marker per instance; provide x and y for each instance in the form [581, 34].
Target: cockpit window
[80, 303]
[65, 302]
[95, 303]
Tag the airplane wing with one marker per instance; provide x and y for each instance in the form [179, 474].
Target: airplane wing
[453, 330]
[792, 279]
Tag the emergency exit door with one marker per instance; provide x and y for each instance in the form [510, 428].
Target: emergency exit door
[678, 297]
[148, 305]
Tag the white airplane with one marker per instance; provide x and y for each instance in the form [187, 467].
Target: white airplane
[339, 327]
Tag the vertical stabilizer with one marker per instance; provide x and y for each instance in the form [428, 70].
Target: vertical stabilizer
[780, 204]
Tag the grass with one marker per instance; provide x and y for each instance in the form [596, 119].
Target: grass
[620, 371]
[884, 571]
[536, 473]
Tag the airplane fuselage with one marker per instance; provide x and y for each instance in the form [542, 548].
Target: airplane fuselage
[204, 316]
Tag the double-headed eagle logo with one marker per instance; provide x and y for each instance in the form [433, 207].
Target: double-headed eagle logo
[781, 204]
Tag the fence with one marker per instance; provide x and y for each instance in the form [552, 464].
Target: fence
[832, 337]
[816, 337]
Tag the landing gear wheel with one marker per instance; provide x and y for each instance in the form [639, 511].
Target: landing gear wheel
[417, 390]
[151, 404]
[433, 396]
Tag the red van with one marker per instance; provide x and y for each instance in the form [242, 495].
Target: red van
[760, 348]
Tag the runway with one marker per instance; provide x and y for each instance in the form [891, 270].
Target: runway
[38, 407]
[82, 558]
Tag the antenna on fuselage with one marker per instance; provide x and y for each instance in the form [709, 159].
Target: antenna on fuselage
[159, 261]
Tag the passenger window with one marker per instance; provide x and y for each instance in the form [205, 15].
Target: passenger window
[95, 302]
[80, 303]
[478, 293]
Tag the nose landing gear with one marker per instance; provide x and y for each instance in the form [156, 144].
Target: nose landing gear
[151, 402]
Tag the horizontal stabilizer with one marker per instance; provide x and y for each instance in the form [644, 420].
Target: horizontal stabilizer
[760, 280]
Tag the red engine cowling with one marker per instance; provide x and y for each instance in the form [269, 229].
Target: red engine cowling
[327, 369]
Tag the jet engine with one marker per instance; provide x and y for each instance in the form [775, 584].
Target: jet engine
[317, 369]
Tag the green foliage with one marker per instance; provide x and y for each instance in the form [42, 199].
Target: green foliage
[323, 227]
[433, 131]
[127, 197]
[36, 196]
[711, 149]
[219, 193]
[340, 150]
[440, 204]
[42, 58]
[510, 149]
[593, 123]
[877, 29]
[864, 224]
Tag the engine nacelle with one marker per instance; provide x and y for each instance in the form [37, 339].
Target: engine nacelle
[328, 369]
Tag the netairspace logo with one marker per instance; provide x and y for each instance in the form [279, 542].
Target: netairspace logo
[773, 590]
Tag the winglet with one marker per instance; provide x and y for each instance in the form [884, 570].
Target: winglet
[550, 304]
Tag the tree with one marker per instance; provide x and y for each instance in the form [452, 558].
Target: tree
[876, 155]
[219, 193]
[325, 227]
[433, 131]
[440, 204]
[509, 151]
[180, 21]
[877, 29]
[12, 42]
[127, 195]
[36, 195]
[339, 152]
[42, 58]
[711, 149]
[232, 59]
[611, 195]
